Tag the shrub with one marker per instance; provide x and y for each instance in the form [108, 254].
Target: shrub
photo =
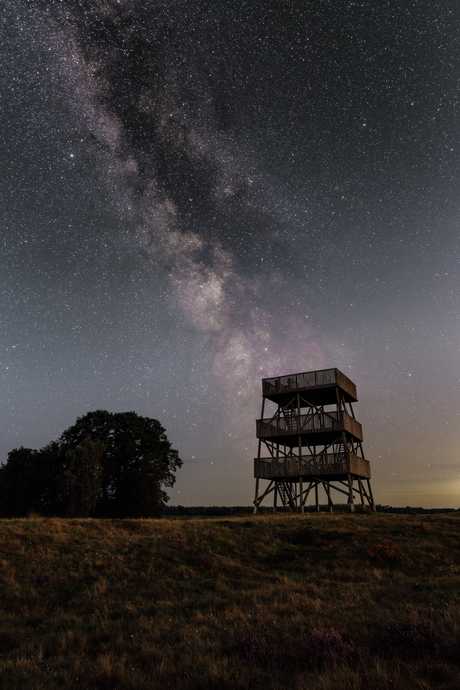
[385, 550]
[205, 559]
[179, 544]
[212, 534]
[411, 639]
[258, 651]
[321, 646]
[42, 579]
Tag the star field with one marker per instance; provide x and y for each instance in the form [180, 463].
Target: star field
[194, 196]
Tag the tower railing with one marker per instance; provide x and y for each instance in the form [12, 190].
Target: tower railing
[308, 424]
[312, 466]
[308, 379]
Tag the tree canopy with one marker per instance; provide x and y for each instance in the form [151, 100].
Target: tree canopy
[107, 465]
[80, 481]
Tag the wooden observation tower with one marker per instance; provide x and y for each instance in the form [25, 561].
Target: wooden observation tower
[310, 438]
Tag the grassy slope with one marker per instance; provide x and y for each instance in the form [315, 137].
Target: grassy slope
[161, 603]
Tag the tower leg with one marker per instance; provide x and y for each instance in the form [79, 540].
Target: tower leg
[328, 491]
[301, 496]
[361, 490]
[351, 501]
[275, 497]
[305, 499]
[256, 505]
[316, 497]
[370, 494]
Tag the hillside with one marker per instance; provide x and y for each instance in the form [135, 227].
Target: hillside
[231, 603]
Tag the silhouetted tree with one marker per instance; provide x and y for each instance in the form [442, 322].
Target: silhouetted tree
[106, 464]
[49, 462]
[18, 491]
[28, 481]
[138, 461]
[80, 482]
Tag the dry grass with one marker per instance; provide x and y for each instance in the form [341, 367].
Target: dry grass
[170, 603]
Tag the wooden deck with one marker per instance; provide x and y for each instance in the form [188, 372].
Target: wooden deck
[311, 381]
[308, 466]
[316, 425]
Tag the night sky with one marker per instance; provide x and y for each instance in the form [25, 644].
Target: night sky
[195, 195]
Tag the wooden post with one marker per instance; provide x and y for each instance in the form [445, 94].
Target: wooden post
[306, 495]
[361, 490]
[351, 501]
[370, 494]
[337, 397]
[316, 497]
[301, 496]
[328, 491]
[256, 507]
[292, 501]
[275, 497]
[261, 416]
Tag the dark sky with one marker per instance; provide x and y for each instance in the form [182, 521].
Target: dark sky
[196, 195]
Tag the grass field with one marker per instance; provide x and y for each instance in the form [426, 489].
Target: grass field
[231, 603]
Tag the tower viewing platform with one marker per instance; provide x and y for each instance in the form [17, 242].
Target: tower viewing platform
[321, 384]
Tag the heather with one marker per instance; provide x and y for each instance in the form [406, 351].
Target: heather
[314, 602]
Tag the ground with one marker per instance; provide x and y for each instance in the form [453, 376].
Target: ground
[231, 603]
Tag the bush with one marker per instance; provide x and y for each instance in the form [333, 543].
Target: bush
[258, 651]
[42, 579]
[205, 559]
[179, 544]
[385, 550]
[411, 639]
[212, 534]
[321, 646]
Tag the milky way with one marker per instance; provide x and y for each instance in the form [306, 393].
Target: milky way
[199, 195]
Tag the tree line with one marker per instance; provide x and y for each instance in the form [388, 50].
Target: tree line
[105, 465]
[215, 511]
